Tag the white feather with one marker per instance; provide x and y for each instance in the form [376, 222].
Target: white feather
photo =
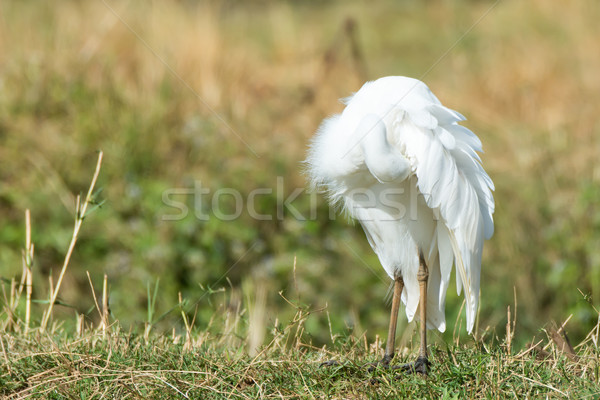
[397, 159]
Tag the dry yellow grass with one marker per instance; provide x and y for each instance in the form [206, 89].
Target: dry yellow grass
[76, 77]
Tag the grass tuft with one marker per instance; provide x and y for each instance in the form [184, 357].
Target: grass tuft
[248, 308]
[126, 365]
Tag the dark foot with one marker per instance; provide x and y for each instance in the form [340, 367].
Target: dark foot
[384, 363]
[421, 366]
[330, 363]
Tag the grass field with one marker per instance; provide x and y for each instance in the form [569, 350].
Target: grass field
[195, 297]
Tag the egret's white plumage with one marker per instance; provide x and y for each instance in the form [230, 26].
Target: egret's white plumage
[399, 162]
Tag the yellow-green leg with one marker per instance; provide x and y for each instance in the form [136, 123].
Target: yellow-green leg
[391, 339]
[422, 364]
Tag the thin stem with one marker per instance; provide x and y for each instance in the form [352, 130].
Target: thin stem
[105, 305]
[28, 273]
[79, 217]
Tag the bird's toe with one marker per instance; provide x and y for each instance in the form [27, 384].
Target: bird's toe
[421, 366]
[330, 363]
[383, 363]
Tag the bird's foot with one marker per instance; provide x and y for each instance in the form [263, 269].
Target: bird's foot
[330, 363]
[383, 363]
[421, 366]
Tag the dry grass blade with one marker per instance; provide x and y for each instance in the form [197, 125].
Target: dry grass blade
[528, 85]
[28, 261]
[541, 384]
[188, 327]
[79, 217]
[103, 312]
[105, 309]
[6, 357]
[509, 334]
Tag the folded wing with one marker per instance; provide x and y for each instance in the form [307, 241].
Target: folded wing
[453, 182]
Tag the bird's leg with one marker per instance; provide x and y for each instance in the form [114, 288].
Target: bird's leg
[422, 364]
[391, 340]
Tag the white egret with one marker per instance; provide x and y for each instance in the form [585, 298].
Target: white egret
[398, 162]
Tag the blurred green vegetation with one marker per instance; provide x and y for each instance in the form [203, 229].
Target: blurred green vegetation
[152, 84]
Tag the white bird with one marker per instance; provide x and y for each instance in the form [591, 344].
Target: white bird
[398, 162]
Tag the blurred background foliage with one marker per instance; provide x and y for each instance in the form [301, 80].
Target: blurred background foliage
[227, 95]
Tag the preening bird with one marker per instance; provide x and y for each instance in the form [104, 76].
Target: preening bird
[398, 161]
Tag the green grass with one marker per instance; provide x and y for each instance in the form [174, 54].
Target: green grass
[525, 83]
[225, 359]
[126, 365]
[74, 79]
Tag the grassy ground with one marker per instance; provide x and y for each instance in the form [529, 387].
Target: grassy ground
[128, 367]
[109, 363]
[227, 95]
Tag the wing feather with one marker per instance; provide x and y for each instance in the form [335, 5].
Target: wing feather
[446, 257]
[452, 180]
